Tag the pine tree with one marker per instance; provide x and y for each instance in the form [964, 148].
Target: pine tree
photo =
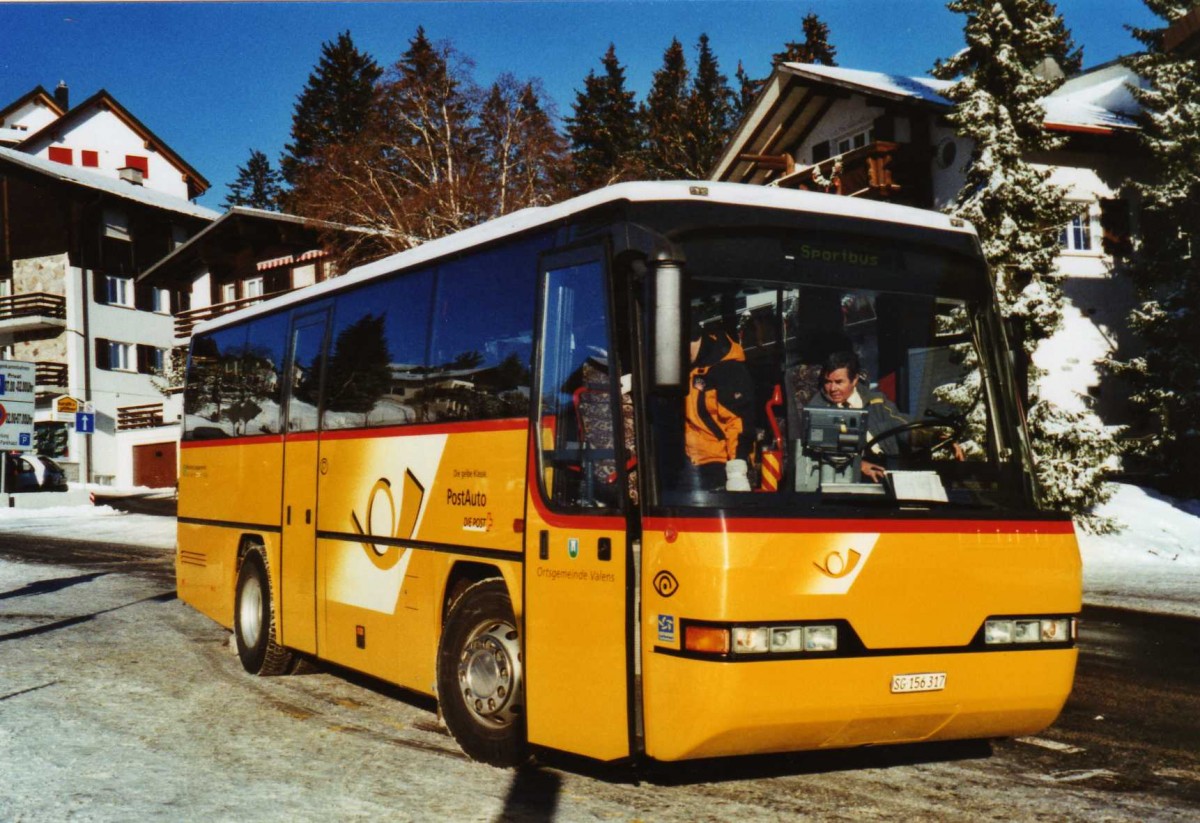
[665, 115]
[1166, 264]
[711, 111]
[815, 48]
[747, 89]
[257, 185]
[605, 131]
[333, 107]
[1018, 215]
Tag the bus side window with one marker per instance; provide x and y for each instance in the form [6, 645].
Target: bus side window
[213, 384]
[482, 338]
[376, 368]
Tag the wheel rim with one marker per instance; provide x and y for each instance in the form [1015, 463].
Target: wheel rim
[489, 674]
[250, 610]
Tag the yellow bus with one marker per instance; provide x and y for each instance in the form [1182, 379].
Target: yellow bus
[469, 469]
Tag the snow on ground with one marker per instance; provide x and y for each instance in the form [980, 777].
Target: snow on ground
[1152, 564]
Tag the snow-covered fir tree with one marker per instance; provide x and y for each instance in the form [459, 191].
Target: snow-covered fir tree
[1018, 214]
[1166, 265]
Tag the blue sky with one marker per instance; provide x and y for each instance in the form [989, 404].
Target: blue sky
[215, 80]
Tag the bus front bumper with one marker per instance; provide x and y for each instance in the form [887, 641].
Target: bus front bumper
[707, 708]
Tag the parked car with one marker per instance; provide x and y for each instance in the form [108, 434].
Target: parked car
[33, 473]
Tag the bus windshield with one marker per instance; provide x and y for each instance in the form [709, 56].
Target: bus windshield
[838, 374]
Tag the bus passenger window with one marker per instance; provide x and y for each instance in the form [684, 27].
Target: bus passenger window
[376, 369]
[480, 357]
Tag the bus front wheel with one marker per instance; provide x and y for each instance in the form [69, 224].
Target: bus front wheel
[254, 619]
[479, 676]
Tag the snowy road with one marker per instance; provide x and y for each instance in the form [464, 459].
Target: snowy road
[117, 702]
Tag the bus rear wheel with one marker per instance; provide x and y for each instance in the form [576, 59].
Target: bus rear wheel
[480, 677]
[254, 626]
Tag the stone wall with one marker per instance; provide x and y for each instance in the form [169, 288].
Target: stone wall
[49, 275]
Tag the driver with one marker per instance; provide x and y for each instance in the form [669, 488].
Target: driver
[840, 388]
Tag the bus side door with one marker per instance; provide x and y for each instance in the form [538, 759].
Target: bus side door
[298, 575]
[577, 600]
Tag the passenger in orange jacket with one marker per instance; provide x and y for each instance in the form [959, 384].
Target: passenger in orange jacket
[719, 427]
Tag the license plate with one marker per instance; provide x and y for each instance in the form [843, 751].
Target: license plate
[927, 682]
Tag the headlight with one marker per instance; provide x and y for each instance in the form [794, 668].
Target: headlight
[760, 640]
[1028, 630]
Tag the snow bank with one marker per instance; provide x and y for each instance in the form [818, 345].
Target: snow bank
[1153, 564]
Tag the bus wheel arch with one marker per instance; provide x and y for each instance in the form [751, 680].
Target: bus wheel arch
[255, 624]
[464, 575]
[480, 675]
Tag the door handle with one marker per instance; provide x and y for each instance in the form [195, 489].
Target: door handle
[308, 517]
[289, 515]
[543, 545]
[604, 548]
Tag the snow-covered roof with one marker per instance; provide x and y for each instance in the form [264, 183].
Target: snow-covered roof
[797, 95]
[108, 185]
[517, 222]
[1098, 98]
[927, 89]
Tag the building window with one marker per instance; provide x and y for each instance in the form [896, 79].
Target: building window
[61, 155]
[840, 145]
[118, 290]
[142, 164]
[253, 287]
[115, 356]
[1077, 235]
[89, 159]
[228, 292]
[151, 360]
[160, 300]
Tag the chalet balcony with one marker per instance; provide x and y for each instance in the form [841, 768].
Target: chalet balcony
[185, 321]
[896, 172]
[144, 416]
[32, 311]
[50, 376]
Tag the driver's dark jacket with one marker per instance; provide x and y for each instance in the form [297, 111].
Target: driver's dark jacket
[882, 415]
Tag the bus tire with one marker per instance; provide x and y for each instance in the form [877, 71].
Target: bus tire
[254, 626]
[480, 677]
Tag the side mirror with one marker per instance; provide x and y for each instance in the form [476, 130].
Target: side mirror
[666, 334]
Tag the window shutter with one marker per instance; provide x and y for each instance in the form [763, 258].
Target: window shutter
[99, 288]
[145, 363]
[103, 359]
[143, 298]
[821, 151]
[1114, 227]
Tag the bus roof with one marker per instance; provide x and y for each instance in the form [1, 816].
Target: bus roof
[644, 192]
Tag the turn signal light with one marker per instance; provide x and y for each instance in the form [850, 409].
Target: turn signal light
[706, 639]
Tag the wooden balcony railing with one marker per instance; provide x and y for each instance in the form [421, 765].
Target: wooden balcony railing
[33, 304]
[51, 374]
[185, 321]
[145, 416]
[877, 171]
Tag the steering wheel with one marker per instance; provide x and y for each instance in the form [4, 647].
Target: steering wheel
[914, 425]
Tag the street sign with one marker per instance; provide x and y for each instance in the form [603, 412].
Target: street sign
[85, 423]
[17, 380]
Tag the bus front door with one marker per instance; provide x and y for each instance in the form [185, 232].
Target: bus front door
[577, 602]
[298, 572]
